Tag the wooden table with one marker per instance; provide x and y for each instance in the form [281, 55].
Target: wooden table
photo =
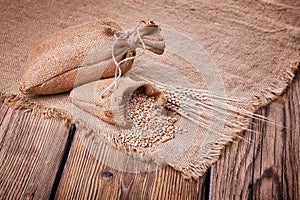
[44, 158]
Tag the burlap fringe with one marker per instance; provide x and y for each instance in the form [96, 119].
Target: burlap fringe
[277, 88]
[194, 171]
[19, 102]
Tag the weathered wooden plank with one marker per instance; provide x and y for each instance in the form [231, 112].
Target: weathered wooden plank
[31, 150]
[266, 164]
[85, 177]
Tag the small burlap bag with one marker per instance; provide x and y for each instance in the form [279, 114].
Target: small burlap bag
[54, 64]
[255, 46]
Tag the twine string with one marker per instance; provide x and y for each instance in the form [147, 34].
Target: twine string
[130, 35]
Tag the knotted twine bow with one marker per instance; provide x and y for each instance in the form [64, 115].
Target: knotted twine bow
[129, 41]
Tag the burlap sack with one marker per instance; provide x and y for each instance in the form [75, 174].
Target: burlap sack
[112, 105]
[254, 44]
[54, 64]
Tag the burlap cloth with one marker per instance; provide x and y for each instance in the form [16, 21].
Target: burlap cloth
[255, 46]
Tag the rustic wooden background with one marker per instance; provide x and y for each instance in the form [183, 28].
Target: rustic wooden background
[44, 158]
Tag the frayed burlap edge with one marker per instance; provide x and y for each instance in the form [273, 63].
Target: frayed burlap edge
[17, 101]
[276, 88]
[20, 102]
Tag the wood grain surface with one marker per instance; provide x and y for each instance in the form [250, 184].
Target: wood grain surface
[266, 164]
[31, 151]
[43, 158]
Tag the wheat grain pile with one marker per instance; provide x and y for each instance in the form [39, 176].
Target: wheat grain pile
[150, 125]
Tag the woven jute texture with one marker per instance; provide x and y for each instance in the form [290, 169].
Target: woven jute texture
[255, 46]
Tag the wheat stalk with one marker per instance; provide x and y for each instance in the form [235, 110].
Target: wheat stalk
[201, 106]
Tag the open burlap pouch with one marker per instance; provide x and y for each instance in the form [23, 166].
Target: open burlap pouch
[255, 46]
[112, 106]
